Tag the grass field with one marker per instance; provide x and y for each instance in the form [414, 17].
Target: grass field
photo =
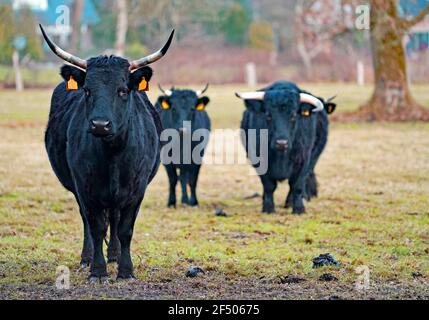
[372, 211]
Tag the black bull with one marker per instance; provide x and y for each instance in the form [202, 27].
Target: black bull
[178, 108]
[103, 143]
[296, 139]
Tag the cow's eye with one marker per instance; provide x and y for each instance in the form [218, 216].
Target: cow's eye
[123, 92]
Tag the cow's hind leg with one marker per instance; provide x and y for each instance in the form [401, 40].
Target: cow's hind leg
[88, 246]
[288, 202]
[114, 247]
[172, 179]
[98, 225]
[310, 186]
[125, 234]
[193, 180]
[296, 193]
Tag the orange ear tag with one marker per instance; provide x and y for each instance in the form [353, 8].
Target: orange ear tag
[200, 107]
[165, 105]
[143, 85]
[71, 84]
[305, 113]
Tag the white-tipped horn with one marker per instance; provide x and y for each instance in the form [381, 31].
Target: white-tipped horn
[330, 99]
[257, 95]
[308, 98]
[136, 64]
[166, 92]
[201, 92]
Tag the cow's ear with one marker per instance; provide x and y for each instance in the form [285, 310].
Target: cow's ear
[139, 79]
[254, 105]
[202, 103]
[305, 110]
[74, 77]
[163, 103]
[330, 107]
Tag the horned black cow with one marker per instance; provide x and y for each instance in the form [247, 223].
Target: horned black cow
[103, 143]
[297, 126]
[184, 111]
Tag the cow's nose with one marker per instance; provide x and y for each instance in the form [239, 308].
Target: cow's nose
[282, 144]
[101, 127]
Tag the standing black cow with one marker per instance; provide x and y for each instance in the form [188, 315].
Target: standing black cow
[180, 108]
[297, 126]
[103, 143]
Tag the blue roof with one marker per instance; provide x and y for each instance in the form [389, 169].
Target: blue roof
[411, 8]
[48, 17]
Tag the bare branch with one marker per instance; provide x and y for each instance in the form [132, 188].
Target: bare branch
[408, 23]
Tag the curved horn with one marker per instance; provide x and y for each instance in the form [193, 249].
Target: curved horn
[166, 92]
[308, 98]
[201, 92]
[136, 64]
[257, 95]
[63, 54]
[330, 99]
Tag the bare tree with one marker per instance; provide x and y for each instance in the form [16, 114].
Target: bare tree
[391, 99]
[121, 27]
[76, 21]
[317, 23]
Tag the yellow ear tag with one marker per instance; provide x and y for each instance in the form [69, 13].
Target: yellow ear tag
[71, 84]
[143, 85]
[200, 107]
[305, 113]
[165, 105]
[330, 109]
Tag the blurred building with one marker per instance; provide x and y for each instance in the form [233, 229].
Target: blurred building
[418, 37]
[56, 17]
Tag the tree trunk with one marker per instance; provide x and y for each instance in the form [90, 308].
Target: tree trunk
[121, 27]
[76, 20]
[391, 99]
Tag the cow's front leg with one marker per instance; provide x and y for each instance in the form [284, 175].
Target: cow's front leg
[193, 180]
[114, 247]
[98, 226]
[183, 182]
[172, 179]
[297, 191]
[125, 233]
[270, 186]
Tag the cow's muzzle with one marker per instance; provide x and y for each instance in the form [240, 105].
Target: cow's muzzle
[282, 144]
[100, 127]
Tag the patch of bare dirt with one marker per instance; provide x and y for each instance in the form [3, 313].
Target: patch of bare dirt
[219, 287]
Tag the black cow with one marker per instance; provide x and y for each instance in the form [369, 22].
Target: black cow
[103, 143]
[297, 125]
[179, 108]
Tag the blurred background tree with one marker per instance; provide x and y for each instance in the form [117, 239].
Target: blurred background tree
[7, 33]
[25, 27]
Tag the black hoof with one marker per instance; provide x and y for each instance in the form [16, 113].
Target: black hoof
[268, 210]
[125, 277]
[112, 259]
[98, 280]
[298, 211]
